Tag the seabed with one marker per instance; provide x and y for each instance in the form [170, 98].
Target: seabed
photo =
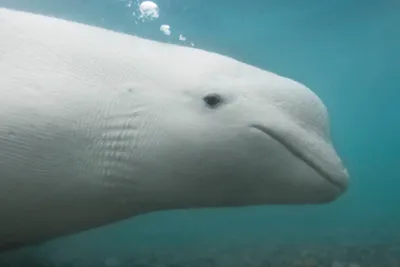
[375, 255]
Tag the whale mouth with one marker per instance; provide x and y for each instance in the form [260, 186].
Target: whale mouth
[300, 155]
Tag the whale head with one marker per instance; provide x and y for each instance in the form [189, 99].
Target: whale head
[225, 133]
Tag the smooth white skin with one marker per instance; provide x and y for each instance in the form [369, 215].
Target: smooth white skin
[98, 126]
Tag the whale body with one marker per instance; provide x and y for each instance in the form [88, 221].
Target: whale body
[98, 126]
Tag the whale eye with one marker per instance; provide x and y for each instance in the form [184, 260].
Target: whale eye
[213, 100]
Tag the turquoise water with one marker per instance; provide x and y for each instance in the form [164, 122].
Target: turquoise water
[348, 52]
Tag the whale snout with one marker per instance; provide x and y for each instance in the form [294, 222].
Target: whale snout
[326, 177]
[339, 177]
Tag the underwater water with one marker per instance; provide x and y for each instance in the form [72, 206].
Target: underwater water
[348, 53]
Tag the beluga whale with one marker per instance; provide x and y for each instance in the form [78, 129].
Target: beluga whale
[98, 126]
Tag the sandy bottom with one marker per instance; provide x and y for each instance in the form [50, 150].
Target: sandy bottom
[372, 255]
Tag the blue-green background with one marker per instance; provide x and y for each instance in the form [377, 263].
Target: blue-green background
[347, 51]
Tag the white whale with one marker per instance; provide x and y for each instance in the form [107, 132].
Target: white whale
[98, 126]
